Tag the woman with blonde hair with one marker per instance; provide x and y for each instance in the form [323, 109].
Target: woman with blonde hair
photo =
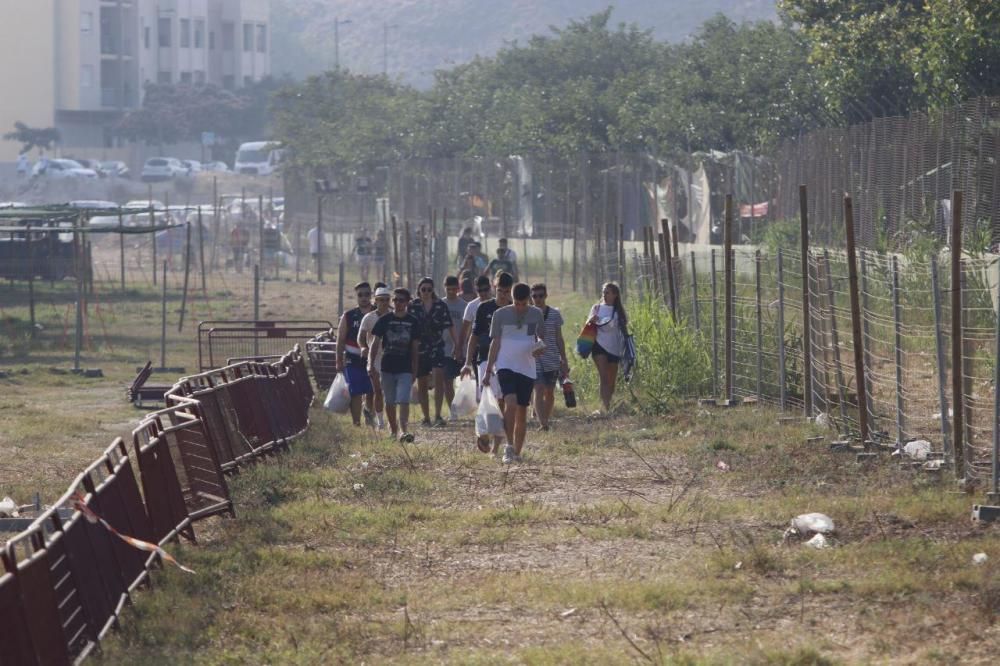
[611, 320]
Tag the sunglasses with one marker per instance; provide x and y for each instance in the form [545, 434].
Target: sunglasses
[538, 295]
[364, 294]
[400, 300]
[485, 290]
[426, 291]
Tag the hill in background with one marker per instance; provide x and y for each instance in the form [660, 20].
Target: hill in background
[425, 35]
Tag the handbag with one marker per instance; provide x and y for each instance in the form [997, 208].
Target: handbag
[585, 342]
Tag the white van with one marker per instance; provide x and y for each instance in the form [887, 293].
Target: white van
[258, 158]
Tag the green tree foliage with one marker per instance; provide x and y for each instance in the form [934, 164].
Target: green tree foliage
[32, 137]
[875, 57]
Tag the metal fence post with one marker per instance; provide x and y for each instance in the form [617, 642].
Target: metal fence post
[669, 265]
[728, 261]
[994, 494]
[859, 363]
[187, 274]
[806, 339]
[121, 245]
[897, 325]
[715, 326]
[760, 328]
[949, 454]
[782, 376]
[320, 239]
[694, 294]
[957, 398]
[163, 319]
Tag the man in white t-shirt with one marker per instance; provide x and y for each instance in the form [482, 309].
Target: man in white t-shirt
[313, 238]
[365, 338]
[514, 346]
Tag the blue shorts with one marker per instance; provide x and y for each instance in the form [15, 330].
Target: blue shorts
[396, 387]
[452, 369]
[358, 381]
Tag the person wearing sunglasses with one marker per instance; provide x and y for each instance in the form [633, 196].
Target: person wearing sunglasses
[514, 349]
[552, 364]
[469, 317]
[348, 350]
[383, 298]
[397, 343]
[435, 324]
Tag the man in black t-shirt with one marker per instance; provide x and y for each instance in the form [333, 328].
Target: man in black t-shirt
[349, 360]
[397, 334]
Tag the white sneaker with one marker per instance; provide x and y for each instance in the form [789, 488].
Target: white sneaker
[508, 455]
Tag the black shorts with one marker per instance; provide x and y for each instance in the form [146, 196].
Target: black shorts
[598, 350]
[546, 377]
[514, 383]
[430, 359]
[452, 369]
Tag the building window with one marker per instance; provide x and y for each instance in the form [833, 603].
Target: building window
[211, 40]
[262, 39]
[145, 36]
[228, 36]
[185, 33]
[163, 32]
[199, 33]
[86, 76]
[248, 36]
[186, 77]
[247, 81]
[228, 82]
[199, 78]
[86, 21]
[164, 77]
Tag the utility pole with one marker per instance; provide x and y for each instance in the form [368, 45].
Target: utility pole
[336, 41]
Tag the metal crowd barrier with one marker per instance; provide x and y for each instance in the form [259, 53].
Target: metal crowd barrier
[66, 577]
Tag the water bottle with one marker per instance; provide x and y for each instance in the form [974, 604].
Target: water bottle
[568, 394]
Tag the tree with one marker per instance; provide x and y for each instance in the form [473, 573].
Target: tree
[30, 137]
[172, 113]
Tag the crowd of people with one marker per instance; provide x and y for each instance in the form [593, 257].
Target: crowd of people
[395, 347]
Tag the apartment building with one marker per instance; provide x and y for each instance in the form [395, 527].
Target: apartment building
[78, 65]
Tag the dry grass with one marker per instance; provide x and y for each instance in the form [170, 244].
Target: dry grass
[617, 541]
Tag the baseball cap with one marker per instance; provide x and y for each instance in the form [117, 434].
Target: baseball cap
[382, 291]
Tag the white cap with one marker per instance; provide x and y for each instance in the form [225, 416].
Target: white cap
[382, 291]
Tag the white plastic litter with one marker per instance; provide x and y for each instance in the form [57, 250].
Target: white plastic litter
[338, 398]
[979, 559]
[937, 415]
[358, 487]
[822, 420]
[933, 465]
[808, 523]
[489, 420]
[818, 541]
[918, 449]
[465, 397]
[8, 507]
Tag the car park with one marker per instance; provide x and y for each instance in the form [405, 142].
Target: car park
[162, 168]
[217, 167]
[61, 169]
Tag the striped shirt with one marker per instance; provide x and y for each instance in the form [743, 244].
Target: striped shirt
[550, 359]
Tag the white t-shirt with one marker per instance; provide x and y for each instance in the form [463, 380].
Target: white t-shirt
[470, 310]
[367, 324]
[518, 336]
[609, 336]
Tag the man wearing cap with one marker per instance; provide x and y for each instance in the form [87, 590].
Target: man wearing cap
[398, 333]
[382, 298]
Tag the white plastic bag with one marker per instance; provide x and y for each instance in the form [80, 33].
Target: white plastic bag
[465, 397]
[338, 399]
[489, 420]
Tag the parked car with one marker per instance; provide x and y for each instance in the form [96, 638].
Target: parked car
[219, 167]
[12, 204]
[115, 169]
[140, 218]
[192, 166]
[98, 221]
[162, 168]
[61, 168]
[258, 158]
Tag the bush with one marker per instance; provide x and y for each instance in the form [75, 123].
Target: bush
[674, 360]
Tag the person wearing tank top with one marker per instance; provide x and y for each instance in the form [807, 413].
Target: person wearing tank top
[611, 320]
[349, 359]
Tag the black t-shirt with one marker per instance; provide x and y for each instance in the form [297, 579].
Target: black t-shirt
[352, 350]
[398, 334]
[484, 317]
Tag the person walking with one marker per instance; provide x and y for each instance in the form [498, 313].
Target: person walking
[612, 322]
[514, 350]
[501, 263]
[469, 316]
[349, 359]
[454, 357]
[435, 324]
[363, 253]
[379, 248]
[478, 347]
[463, 243]
[397, 343]
[382, 305]
[552, 365]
